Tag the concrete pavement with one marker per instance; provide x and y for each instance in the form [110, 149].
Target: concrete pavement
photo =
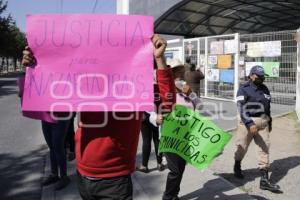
[22, 147]
[195, 185]
[284, 163]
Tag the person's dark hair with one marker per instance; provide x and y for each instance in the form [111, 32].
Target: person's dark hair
[188, 59]
[178, 72]
[193, 67]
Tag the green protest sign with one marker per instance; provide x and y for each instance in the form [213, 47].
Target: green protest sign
[192, 136]
[271, 68]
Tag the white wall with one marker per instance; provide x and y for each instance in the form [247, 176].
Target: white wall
[123, 7]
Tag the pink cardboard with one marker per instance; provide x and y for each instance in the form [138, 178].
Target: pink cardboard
[44, 116]
[89, 62]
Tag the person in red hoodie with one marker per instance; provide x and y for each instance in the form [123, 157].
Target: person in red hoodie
[106, 155]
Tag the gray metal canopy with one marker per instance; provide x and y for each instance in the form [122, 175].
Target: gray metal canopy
[194, 18]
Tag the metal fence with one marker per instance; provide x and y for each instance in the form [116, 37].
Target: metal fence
[298, 82]
[283, 86]
[220, 71]
[194, 49]
[225, 70]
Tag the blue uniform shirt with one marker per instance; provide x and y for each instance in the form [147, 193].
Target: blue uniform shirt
[253, 101]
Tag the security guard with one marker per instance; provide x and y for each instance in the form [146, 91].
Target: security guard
[253, 101]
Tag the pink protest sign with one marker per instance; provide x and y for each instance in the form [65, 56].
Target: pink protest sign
[44, 116]
[89, 63]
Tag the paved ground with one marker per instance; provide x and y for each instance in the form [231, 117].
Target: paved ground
[195, 185]
[209, 184]
[285, 163]
[22, 148]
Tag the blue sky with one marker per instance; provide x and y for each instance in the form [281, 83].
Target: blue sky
[20, 8]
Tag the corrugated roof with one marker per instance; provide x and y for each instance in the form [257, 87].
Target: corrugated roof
[194, 18]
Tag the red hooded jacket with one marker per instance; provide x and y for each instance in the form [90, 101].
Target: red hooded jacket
[110, 151]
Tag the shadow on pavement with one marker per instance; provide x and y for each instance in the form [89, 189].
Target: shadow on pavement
[21, 175]
[209, 191]
[279, 169]
[256, 197]
[7, 87]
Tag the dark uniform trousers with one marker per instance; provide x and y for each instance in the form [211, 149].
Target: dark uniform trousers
[176, 165]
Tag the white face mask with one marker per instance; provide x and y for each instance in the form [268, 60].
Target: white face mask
[179, 84]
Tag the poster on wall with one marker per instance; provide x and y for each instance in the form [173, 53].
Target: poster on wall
[230, 46]
[217, 47]
[242, 60]
[213, 75]
[271, 68]
[242, 47]
[254, 49]
[249, 65]
[224, 61]
[169, 55]
[242, 72]
[264, 49]
[174, 53]
[190, 48]
[212, 60]
[227, 76]
[202, 60]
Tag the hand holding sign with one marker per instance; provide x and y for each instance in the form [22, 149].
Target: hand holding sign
[186, 89]
[159, 119]
[160, 45]
[28, 58]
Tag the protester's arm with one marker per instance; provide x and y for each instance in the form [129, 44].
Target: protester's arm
[165, 78]
[160, 45]
[28, 60]
[167, 90]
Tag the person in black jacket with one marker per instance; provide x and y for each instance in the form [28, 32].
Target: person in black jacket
[253, 101]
